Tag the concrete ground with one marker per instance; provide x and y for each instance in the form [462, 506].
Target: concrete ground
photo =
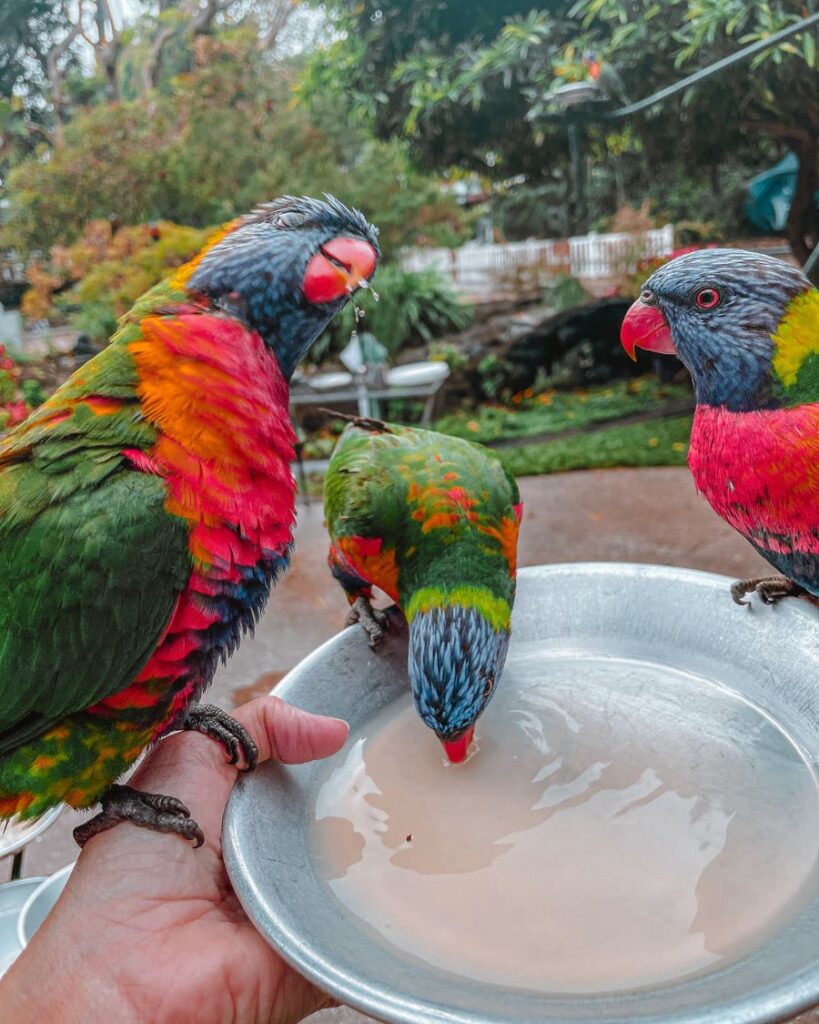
[630, 515]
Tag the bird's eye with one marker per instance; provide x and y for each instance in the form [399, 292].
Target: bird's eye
[708, 298]
[289, 220]
[487, 686]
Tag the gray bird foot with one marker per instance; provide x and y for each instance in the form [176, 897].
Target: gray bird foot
[373, 622]
[148, 810]
[770, 589]
[219, 725]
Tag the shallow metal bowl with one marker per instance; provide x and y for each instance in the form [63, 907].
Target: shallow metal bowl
[40, 904]
[664, 616]
[13, 896]
[15, 834]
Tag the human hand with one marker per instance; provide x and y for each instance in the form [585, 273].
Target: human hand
[148, 929]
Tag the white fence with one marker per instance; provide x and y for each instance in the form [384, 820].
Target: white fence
[482, 268]
[609, 255]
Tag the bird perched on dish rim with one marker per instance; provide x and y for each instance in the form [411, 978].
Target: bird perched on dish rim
[746, 326]
[147, 508]
[432, 521]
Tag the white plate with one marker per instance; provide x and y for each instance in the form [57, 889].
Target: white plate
[40, 904]
[413, 375]
[329, 381]
[15, 834]
[12, 897]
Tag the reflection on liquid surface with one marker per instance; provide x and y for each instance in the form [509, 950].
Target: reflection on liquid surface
[601, 838]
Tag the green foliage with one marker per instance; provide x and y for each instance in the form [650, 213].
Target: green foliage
[211, 144]
[15, 401]
[480, 97]
[565, 292]
[107, 271]
[412, 308]
[493, 376]
[454, 358]
[110, 288]
[33, 392]
[552, 412]
[532, 211]
[658, 443]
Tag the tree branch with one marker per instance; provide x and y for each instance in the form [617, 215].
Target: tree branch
[802, 229]
[152, 68]
[780, 131]
[280, 18]
[107, 50]
[55, 55]
[204, 18]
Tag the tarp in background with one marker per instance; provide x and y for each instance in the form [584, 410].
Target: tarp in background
[770, 195]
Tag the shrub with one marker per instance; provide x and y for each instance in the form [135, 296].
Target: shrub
[14, 403]
[110, 270]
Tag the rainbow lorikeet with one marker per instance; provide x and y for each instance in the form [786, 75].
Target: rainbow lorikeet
[746, 327]
[147, 508]
[433, 522]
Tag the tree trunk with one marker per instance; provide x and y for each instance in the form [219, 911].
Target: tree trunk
[802, 229]
[278, 20]
[55, 73]
[152, 68]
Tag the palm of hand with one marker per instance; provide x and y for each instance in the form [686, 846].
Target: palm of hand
[156, 924]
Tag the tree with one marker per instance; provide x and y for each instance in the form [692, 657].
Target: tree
[45, 45]
[476, 93]
[774, 95]
[209, 145]
[415, 68]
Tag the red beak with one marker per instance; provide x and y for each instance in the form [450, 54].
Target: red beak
[645, 327]
[456, 750]
[338, 268]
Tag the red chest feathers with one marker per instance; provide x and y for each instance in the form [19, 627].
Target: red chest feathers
[220, 402]
[760, 470]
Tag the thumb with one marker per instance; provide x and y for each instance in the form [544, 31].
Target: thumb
[285, 733]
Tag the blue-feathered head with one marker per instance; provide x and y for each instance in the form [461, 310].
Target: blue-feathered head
[717, 309]
[288, 268]
[456, 657]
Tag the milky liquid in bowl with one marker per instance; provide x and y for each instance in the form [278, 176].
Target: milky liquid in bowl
[598, 840]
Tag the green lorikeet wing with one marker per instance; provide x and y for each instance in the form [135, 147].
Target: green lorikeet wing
[396, 503]
[91, 564]
[433, 521]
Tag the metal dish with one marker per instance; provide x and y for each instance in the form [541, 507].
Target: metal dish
[16, 834]
[40, 903]
[685, 620]
[12, 897]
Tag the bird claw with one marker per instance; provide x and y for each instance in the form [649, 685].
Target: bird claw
[373, 621]
[222, 727]
[770, 589]
[148, 810]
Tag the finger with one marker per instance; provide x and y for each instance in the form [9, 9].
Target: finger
[288, 734]
[194, 768]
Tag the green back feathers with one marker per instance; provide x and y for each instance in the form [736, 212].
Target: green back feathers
[796, 350]
[90, 562]
[444, 506]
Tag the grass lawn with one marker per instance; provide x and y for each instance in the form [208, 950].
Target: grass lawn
[555, 411]
[656, 443]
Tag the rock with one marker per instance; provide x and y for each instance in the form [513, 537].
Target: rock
[509, 345]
